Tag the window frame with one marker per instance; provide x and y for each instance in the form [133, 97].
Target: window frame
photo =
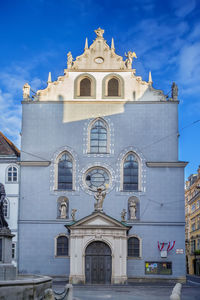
[7, 208]
[105, 81]
[56, 246]
[140, 247]
[100, 168]
[56, 172]
[89, 137]
[12, 176]
[77, 82]
[122, 173]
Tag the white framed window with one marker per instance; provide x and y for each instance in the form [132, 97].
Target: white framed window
[6, 208]
[64, 170]
[134, 247]
[13, 250]
[85, 87]
[12, 174]
[62, 245]
[97, 177]
[113, 86]
[130, 172]
[99, 137]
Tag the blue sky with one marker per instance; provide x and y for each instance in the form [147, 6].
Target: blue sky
[36, 36]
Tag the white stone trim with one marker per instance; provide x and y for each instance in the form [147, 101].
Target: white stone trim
[140, 244]
[94, 165]
[55, 245]
[110, 137]
[141, 171]
[54, 172]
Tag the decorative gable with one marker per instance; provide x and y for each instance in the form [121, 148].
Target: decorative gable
[100, 56]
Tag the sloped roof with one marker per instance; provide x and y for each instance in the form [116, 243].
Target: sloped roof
[7, 147]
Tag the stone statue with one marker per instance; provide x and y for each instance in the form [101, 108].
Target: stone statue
[129, 59]
[123, 215]
[73, 213]
[99, 32]
[49, 295]
[3, 222]
[174, 91]
[69, 60]
[132, 210]
[26, 91]
[99, 197]
[63, 209]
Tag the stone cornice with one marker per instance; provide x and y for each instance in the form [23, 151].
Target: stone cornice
[157, 164]
[94, 101]
[34, 163]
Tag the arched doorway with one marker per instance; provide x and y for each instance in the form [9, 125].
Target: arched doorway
[98, 263]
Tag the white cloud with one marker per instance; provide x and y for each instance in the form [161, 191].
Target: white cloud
[183, 7]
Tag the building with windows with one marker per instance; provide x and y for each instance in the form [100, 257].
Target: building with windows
[9, 177]
[192, 228]
[102, 190]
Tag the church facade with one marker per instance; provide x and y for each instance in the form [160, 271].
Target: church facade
[102, 189]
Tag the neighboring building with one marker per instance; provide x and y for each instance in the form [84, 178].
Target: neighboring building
[101, 126]
[192, 213]
[9, 177]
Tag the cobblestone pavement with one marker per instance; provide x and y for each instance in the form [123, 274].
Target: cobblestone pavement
[147, 291]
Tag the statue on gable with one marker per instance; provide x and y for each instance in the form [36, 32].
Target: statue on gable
[3, 222]
[129, 59]
[73, 212]
[99, 32]
[69, 60]
[99, 197]
[26, 91]
[123, 215]
[174, 91]
[63, 209]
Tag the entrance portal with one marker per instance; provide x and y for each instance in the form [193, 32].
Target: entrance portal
[98, 263]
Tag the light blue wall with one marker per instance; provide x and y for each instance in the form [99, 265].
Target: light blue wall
[149, 128]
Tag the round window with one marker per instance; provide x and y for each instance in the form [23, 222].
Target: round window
[97, 177]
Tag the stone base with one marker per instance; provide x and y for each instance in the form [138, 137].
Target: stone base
[77, 279]
[157, 279]
[7, 272]
[25, 287]
[119, 280]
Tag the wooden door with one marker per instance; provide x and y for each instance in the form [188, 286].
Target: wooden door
[98, 263]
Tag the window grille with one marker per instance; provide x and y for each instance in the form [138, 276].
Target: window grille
[113, 87]
[98, 138]
[65, 172]
[85, 87]
[62, 246]
[130, 169]
[133, 247]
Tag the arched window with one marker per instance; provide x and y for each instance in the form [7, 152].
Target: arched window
[113, 87]
[133, 247]
[62, 246]
[130, 173]
[85, 87]
[65, 166]
[12, 174]
[6, 208]
[98, 137]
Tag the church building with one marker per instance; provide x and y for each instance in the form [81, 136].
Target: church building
[102, 189]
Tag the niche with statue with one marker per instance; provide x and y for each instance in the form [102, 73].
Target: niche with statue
[133, 208]
[62, 208]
